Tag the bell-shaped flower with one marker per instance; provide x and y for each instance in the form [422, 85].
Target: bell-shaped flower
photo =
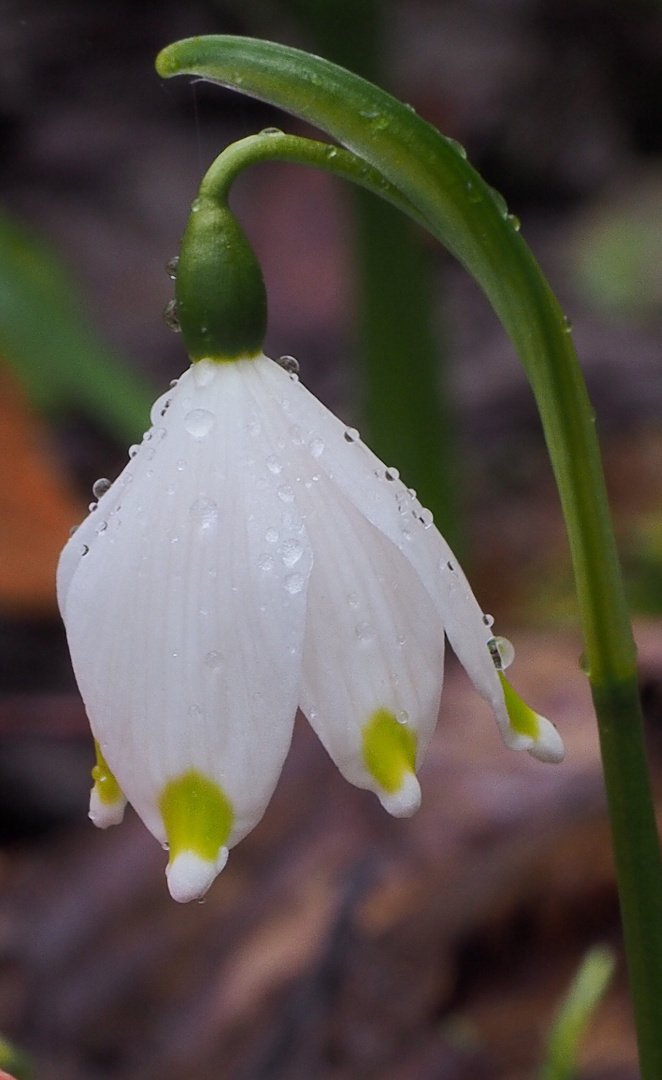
[254, 557]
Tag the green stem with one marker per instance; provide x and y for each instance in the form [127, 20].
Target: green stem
[438, 187]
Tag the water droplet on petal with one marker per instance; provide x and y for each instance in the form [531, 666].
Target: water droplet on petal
[567, 324]
[204, 372]
[458, 147]
[506, 651]
[100, 487]
[171, 267]
[402, 716]
[294, 583]
[363, 632]
[274, 465]
[290, 552]
[102, 526]
[426, 518]
[253, 427]
[296, 435]
[271, 131]
[133, 450]
[199, 422]
[84, 549]
[92, 506]
[353, 599]
[317, 448]
[488, 620]
[351, 434]
[204, 512]
[392, 474]
[285, 493]
[289, 363]
[271, 536]
[265, 562]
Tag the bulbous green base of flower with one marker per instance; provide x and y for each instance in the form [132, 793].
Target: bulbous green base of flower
[197, 817]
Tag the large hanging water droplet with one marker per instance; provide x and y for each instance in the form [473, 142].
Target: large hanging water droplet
[199, 422]
[100, 487]
[289, 363]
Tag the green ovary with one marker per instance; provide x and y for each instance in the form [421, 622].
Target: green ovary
[197, 815]
[106, 785]
[522, 718]
[388, 750]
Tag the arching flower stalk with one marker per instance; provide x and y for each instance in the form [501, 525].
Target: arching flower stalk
[252, 557]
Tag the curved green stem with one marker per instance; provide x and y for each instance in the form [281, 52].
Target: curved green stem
[440, 189]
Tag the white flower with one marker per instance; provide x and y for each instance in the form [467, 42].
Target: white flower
[252, 557]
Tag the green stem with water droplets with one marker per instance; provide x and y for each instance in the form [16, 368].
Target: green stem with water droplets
[440, 189]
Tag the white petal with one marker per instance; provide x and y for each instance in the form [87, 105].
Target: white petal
[380, 496]
[190, 877]
[373, 643]
[185, 627]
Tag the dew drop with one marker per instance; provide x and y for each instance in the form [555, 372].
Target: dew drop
[457, 147]
[171, 317]
[285, 493]
[84, 550]
[181, 465]
[204, 372]
[392, 474]
[294, 583]
[271, 536]
[92, 506]
[290, 552]
[195, 205]
[271, 131]
[289, 363]
[204, 512]
[253, 427]
[567, 324]
[296, 435]
[488, 620]
[133, 450]
[265, 562]
[274, 465]
[353, 599]
[100, 487]
[402, 716]
[317, 448]
[73, 529]
[506, 651]
[199, 422]
[426, 518]
[171, 267]
[363, 632]
[173, 383]
[102, 526]
[515, 222]
[351, 434]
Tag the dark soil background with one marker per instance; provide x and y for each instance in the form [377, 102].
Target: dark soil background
[338, 943]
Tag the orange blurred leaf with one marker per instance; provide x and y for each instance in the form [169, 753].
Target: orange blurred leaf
[37, 508]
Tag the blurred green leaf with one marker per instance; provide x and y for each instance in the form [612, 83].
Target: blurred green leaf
[582, 999]
[46, 341]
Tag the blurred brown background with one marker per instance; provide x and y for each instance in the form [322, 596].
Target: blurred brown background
[337, 943]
